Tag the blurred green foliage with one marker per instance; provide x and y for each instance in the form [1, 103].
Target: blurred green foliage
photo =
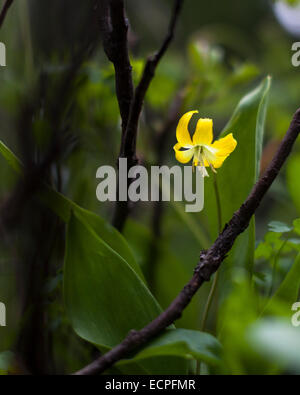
[219, 62]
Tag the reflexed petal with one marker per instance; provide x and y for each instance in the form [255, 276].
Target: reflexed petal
[224, 146]
[204, 132]
[182, 132]
[218, 162]
[183, 156]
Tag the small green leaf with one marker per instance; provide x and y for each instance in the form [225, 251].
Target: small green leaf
[296, 224]
[263, 250]
[289, 288]
[279, 227]
[185, 343]
[11, 159]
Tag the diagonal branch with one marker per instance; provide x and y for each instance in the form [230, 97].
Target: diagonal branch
[209, 263]
[4, 10]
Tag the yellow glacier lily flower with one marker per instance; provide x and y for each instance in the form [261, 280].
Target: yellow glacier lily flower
[201, 149]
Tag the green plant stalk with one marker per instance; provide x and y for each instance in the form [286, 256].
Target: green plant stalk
[215, 280]
[276, 256]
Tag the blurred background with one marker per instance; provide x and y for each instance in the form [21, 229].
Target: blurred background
[59, 114]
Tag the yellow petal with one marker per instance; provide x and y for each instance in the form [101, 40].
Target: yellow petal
[183, 156]
[204, 132]
[218, 162]
[224, 146]
[182, 132]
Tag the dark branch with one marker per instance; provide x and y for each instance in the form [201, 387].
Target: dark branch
[129, 138]
[4, 10]
[114, 28]
[209, 263]
[129, 148]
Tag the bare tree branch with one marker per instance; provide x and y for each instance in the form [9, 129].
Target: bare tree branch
[4, 11]
[129, 148]
[128, 145]
[209, 262]
[114, 28]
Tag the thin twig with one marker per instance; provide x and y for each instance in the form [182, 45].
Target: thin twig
[129, 139]
[114, 28]
[210, 260]
[129, 148]
[4, 11]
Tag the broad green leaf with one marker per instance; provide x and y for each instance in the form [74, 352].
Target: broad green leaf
[110, 236]
[97, 257]
[184, 343]
[277, 341]
[104, 297]
[238, 175]
[62, 207]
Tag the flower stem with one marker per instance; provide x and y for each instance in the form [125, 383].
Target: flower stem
[215, 280]
[218, 200]
[275, 264]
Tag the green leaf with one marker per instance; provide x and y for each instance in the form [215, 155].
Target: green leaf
[11, 159]
[279, 227]
[287, 293]
[289, 288]
[185, 343]
[104, 297]
[110, 236]
[263, 250]
[296, 225]
[191, 224]
[293, 180]
[277, 341]
[238, 175]
[62, 206]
